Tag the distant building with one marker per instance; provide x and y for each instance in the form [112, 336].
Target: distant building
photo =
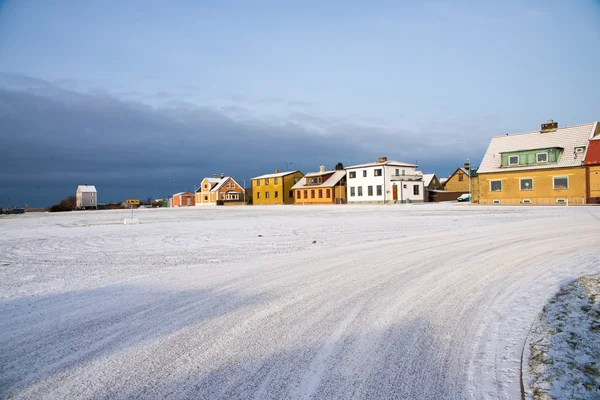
[86, 197]
[223, 191]
[275, 188]
[458, 181]
[432, 185]
[384, 181]
[323, 187]
[183, 199]
[132, 202]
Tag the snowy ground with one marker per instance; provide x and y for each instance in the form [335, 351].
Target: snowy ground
[419, 301]
[564, 345]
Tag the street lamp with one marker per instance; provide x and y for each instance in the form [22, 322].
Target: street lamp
[243, 180]
[287, 164]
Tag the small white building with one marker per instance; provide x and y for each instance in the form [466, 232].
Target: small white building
[86, 197]
[388, 182]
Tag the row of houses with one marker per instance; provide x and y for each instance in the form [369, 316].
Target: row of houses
[550, 166]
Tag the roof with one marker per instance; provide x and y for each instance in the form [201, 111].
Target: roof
[427, 178]
[443, 180]
[180, 193]
[593, 153]
[333, 180]
[277, 175]
[387, 163]
[222, 182]
[566, 138]
[86, 189]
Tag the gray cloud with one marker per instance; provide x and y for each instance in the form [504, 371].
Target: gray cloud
[54, 139]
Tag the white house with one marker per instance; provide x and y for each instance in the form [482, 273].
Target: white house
[384, 181]
[86, 197]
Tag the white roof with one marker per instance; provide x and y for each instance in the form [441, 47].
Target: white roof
[86, 189]
[221, 183]
[277, 175]
[212, 180]
[566, 138]
[331, 182]
[427, 178]
[443, 180]
[388, 163]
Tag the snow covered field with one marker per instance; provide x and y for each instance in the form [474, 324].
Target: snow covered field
[421, 301]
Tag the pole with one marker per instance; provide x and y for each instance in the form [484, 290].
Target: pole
[243, 180]
[469, 178]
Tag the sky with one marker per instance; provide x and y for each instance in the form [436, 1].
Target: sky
[145, 98]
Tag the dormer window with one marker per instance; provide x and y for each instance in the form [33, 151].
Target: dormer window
[579, 150]
[513, 160]
[542, 157]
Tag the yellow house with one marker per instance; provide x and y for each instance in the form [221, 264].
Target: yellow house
[323, 187]
[541, 167]
[458, 181]
[275, 188]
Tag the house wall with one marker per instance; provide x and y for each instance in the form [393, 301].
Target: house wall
[455, 184]
[85, 200]
[233, 187]
[282, 187]
[543, 191]
[182, 200]
[594, 183]
[387, 180]
[316, 200]
[203, 197]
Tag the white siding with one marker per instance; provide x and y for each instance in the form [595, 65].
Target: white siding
[390, 176]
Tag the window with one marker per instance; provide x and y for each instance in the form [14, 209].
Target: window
[314, 181]
[312, 194]
[352, 192]
[258, 182]
[206, 197]
[291, 194]
[561, 182]
[461, 177]
[364, 173]
[397, 172]
[328, 193]
[276, 194]
[416, 190]
[379, 190]
[298, 194]
[222, 196]
[276, 180]
[495, 186]
[306, 194]
[266, 181]
[526, 184]
[404, 186]
[320, 193]
[295, 180]
[513, 160]
[206, 186]
[360, 190]
[352, 174]
[542, 157]
[369, 190]
[267, 195]
[378, 172]
[257, 195]
[403, 172]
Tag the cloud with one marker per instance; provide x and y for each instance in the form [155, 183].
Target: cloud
[54, 139]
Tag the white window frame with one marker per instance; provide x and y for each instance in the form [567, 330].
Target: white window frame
[511, 163]
[537, 159]
[521, 186]
[554, 182]
[501, 185]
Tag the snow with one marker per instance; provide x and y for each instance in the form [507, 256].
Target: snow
[564, 345]
[430, 301]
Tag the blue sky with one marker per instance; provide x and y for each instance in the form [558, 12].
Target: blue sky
[155, 95]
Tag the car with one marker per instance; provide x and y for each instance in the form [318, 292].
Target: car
[464, 197]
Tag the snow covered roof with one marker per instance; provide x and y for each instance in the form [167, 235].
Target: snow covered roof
[443, 180]
[566, 138]
[277, 175]
[427, 178]
[180, 193]
[387, 163]
[86, 189]
[222, 182]
[333, 180]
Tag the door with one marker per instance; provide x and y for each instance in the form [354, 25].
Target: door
[395, 192]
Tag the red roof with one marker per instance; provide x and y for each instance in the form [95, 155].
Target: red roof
[593, 153]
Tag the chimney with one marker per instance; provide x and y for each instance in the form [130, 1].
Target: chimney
[215, 176]
[322, 169]
[549, 126]
[467, 166]
[382, 159]
[276, 171]
[222, 175]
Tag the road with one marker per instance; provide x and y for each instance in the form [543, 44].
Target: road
[424, 302]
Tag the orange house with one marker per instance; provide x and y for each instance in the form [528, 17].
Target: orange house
[323, 187]
[183, 199]
[219, 191]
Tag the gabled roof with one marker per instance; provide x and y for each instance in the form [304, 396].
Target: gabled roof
[333, 180]
[86, 189]
[427, 178]
[386, 163]
[277, 175]
[566, 138]
[464, 171]
[222, 182]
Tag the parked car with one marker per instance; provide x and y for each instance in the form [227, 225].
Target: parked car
[464, 197]
[12, 211]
